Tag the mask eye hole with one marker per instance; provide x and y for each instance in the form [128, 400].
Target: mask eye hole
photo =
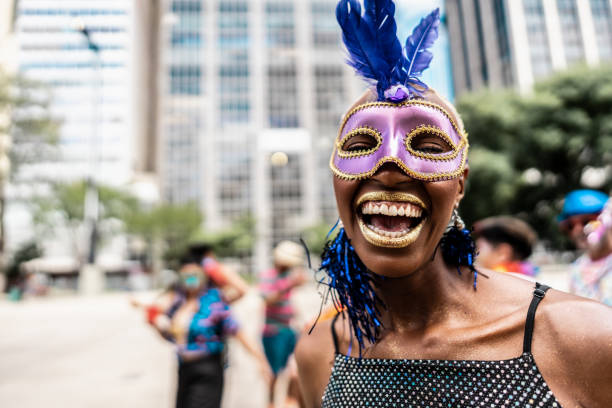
[359, 142]
[430, 143]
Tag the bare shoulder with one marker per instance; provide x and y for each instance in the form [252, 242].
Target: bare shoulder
[572, 346]
[314, 355]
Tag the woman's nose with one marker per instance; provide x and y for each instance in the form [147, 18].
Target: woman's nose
[391, 175]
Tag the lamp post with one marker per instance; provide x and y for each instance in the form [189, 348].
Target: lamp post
[92, 279]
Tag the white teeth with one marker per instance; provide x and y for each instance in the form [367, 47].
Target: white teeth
[389, 234]
[399, 209]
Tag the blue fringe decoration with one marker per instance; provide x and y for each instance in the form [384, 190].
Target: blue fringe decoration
[351, 286]
[375, 52]
[459, 248]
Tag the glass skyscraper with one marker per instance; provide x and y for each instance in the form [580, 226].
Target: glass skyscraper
[532, 38]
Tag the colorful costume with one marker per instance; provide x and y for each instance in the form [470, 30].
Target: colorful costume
[279, 338]
[396, 125]
[393, 124]
[200, 379]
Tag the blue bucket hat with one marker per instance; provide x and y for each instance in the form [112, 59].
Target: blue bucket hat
[580, 202]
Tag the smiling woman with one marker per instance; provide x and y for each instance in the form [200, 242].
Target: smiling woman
[417, 329]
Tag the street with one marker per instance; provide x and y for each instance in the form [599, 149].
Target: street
[90, 352]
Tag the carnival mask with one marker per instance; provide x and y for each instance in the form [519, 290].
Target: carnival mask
[420, 137]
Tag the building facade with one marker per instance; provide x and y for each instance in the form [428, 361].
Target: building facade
[243, 82]
[500, 43]
[91, 93]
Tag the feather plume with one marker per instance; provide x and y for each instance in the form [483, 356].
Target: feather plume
[370, 38]
[418, 56]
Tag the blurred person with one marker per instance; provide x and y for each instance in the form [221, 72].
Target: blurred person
[590, 275]
[422, 326]
[279, 338]
[194, 316]
[579, 208]
[504, 243]
[233, 286]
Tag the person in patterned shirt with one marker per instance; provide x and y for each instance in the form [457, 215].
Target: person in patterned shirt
[195, 317]
[276, 286]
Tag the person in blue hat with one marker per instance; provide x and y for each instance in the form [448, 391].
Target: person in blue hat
[586, 219]
[579, 208]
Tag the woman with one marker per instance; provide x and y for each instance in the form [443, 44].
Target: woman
[279, 338]
[418, 329]
[197, 319]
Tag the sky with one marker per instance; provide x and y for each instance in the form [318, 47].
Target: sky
[408, 14]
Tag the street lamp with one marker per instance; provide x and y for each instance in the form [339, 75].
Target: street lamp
[91, 209]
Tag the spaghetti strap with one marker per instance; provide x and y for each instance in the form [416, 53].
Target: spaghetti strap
[334, 335]
[538, 295]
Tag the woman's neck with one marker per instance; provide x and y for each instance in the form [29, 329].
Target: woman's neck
[426, 296]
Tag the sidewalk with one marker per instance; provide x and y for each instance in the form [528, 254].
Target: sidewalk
[98, 352]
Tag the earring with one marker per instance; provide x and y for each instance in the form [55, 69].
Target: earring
[350, 285]
[458, 246]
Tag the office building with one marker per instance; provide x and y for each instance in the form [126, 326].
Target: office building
[501, 43]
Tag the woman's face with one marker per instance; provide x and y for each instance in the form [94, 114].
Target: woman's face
[396, 245]
[192, 277]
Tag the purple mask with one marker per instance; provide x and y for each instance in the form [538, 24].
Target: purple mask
[418, 136]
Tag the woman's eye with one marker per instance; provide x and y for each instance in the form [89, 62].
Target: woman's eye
[358, 143]
[427, 143]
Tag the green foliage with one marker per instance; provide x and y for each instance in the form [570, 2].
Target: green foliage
[33, 131]
[64, 207]
[553, 134]
[315, 237]
[26, 252]
[173, 225]
[234, 242]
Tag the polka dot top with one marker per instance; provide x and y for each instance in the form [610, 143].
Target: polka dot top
[387, 383]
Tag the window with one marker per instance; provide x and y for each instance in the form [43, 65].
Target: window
[570, 31]
[537, 37]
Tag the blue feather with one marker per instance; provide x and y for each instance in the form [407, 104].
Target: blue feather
[418, 56]
[370, 38]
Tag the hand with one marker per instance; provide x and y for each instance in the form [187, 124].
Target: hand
[162, 323]
[265, 370]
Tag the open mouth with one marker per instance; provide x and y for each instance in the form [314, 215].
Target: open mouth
[391, 220]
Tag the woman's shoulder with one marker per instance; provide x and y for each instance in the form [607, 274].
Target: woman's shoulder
[572, 345]
[571, 321]
[314, 354]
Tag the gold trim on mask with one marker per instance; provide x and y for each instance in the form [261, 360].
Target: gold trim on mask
[400, 164]
[345, 154]
[463, 146]
[399, 105]
[444, 156]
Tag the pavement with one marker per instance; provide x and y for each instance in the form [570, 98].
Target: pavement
[98, 351]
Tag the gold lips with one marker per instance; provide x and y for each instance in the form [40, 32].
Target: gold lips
[377, 239]
[386, 196]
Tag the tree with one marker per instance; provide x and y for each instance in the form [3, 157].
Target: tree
[235, 241]
[529, 151]
[64, 206]
[32, 129]
[26, 252]
[173, 225]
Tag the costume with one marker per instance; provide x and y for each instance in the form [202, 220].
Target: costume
[419, 136]
[425, 141]
[441, 383]
[592, 279]
[200, 379]
[279, 338]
